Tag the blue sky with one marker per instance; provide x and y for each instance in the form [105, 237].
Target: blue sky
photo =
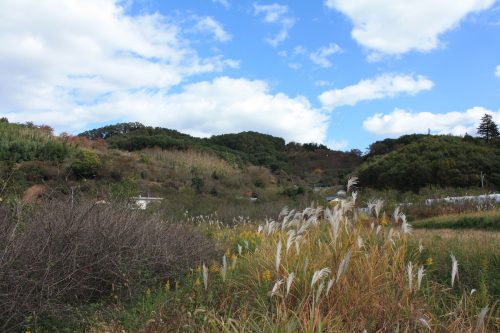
[340, 72]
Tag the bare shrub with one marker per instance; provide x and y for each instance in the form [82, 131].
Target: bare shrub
[61, 254]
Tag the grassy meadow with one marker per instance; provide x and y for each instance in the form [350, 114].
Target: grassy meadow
[312, 270]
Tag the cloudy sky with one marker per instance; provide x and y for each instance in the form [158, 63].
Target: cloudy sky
[340, 72]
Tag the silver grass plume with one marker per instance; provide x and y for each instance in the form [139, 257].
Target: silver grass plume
[330, 285]
[334, 219]
[406, 228]
[205, 276]
[319, 291]
[409, 269]
[320, 275]
[425, 323]
[297, 244]
[223, 270]
[420, 246]
[420, 275]
[276, 287]
[351, 182]
[379, 203]
[290, 240]
[306, 264]
[370, 205]
[289, 281]
[278, 256]
[480, 319]
[360, 242]
[395, 214]
[283, 212]
[343, 265]
[454, 269]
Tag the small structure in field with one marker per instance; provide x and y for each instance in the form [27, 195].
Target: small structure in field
[493, 197]
[141, 202]
[336, 197]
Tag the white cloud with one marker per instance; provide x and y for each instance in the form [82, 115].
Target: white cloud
[299, 50]
[224, 3]
[401, 122]
[59, 58]
[396, 27]
[383, 86]
[321, 55]
[277, 14]
[337, 145]
[321, 83]
[294, 65]
[223, 105]
[210, 25]
[497, 72]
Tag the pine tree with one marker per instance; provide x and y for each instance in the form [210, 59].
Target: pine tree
[487, 129]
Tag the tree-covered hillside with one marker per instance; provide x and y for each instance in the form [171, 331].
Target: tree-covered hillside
[27, 142]
[240, 148]
[420, 160]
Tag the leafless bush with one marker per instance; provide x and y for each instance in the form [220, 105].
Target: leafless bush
[61, 254]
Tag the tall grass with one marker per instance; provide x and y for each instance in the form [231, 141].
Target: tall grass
[324, 270]
[199, 161]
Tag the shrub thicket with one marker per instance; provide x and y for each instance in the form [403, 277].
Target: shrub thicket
[63, 254]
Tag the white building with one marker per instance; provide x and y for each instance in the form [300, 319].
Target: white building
[141, 202]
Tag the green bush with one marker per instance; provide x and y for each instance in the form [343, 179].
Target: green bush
[86, 165]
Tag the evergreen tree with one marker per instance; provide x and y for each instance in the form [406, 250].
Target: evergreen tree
[487, 129]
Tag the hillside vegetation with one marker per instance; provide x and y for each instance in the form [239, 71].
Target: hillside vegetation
[127, 159]
[242, 148]
[413, 162]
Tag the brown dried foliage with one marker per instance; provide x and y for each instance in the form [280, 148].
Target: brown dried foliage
[62, 253]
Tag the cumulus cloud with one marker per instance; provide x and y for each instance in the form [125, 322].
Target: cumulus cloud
[211, 26]
[63, 51]
[224, 105]
[383, 86]
[497, 72]
[59, 58]
[277, 14]
[224, 3]
[401, 122]
[320, 56]
[397, 27]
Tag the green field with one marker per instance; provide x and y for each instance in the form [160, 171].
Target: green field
[488, 220]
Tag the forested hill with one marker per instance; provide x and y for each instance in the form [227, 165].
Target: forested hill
[414, 161]
[407, 163]
[242, 148]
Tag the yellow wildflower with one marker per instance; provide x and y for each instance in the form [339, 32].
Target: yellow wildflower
[266, 275]
[197, 282]
[384, 219]
[198, 269]
[233, 256]
[429, 261]
[214, 268]
[167, 285]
